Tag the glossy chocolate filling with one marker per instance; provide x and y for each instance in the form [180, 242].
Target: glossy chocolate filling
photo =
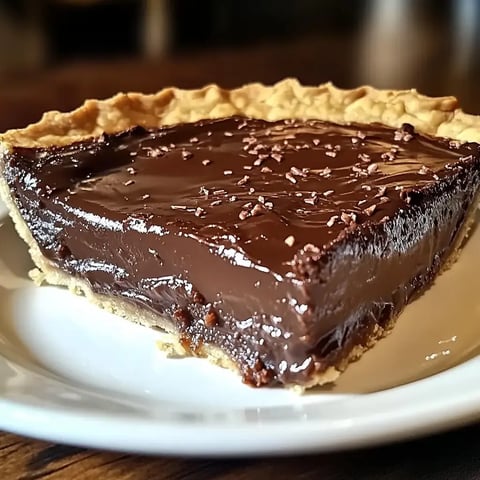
[285, 244]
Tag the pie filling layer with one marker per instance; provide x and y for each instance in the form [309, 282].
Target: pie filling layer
[289, 245]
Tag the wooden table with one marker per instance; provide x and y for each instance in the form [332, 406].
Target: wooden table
[452, 456]
[23, 97]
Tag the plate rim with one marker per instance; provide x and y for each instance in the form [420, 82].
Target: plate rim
[152, 436]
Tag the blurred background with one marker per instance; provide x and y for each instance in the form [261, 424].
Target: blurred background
[56, 53]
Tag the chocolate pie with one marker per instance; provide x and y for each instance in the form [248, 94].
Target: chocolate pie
[278, 231]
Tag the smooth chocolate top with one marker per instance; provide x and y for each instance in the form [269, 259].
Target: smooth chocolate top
[226, 210]
[261, 189]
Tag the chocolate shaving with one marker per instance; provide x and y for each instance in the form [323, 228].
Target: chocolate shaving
[296, 171]
[348, 218]
[290, 240]
[290, 177]
[244, 214]
[258, 209]
[244, 180]
[359, 170]
[387, 156]
[361, 135]
[364, 157]
[370, 210]
[151, 152]
[276, 148]
[305, 262]
[324, 172]
[331, 221]
[200, 212]
[311, 200]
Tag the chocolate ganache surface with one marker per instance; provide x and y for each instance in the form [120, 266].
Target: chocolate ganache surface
[286, 244]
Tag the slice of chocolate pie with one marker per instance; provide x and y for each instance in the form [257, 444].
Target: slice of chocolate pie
[276, 230]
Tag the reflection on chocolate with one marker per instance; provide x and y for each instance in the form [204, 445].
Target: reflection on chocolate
[285, 244]
[425, 329]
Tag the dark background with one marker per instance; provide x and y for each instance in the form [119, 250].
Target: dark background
[55, 53]
[100, 29]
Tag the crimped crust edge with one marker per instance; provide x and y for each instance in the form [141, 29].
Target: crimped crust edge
[438, 116]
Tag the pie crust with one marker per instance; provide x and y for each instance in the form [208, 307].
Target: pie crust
[440, 117]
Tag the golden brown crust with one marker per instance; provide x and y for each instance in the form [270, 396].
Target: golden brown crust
[438, 116]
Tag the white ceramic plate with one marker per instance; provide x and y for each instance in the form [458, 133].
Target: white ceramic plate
[70, 373]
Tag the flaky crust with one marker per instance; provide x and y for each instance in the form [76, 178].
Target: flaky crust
[439, 116]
